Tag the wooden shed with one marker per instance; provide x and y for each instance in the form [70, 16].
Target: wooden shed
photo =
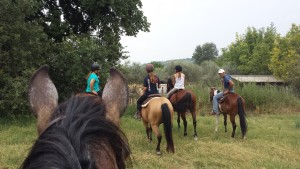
[258, 79]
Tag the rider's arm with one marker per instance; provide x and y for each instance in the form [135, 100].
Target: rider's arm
[173, 80]
[92, 86]
[144, 89]
[230, 86]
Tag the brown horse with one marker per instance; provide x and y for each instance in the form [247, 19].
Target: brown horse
[232, 104]
[154, 112]
[83, 131]
[183, 101]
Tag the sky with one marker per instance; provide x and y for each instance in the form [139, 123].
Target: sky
[179, 26]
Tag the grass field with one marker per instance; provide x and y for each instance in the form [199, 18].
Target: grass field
[273, 141]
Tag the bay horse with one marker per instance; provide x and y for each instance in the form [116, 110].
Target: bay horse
[231, 105]
[83, 131]
[155, 111]
[183, 101]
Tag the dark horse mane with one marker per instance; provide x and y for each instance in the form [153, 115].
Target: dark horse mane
[77, 126]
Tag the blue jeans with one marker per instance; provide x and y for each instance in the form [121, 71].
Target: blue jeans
[216, 99]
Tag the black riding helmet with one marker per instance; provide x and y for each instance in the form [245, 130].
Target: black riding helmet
[95, 66]
[178, 68]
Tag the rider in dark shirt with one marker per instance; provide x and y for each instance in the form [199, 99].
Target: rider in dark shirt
[150, 86]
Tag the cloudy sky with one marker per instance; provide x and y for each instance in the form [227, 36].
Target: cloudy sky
[178, 26]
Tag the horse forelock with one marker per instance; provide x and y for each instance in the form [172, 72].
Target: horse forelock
[82, 132]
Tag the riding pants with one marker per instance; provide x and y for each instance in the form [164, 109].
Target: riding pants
[140, 102]
[216, 99]
[171, 92]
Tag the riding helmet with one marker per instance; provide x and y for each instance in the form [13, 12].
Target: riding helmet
[95, 66]
[149, 67]
[178, 68]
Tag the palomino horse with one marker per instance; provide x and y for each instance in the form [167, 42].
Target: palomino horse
[82, 132]
[182, 101]
[232, 104]
[154, 112]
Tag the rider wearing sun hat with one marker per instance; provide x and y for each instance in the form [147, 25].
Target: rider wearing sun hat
[228, 87]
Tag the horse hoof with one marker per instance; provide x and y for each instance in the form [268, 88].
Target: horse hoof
[185, 134]
[216, 130]
[195, 138]
[158, 153]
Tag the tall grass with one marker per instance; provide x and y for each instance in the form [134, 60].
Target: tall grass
[272, 139]
[272, 142]
[16, 137]
[259, 99]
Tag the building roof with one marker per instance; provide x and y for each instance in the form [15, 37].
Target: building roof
[256, 78]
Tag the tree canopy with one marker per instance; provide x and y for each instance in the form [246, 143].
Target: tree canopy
[285, 61]
[206, 52]
[251, 52]
[66, 35]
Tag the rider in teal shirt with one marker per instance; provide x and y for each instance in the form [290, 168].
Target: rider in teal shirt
[93, 81]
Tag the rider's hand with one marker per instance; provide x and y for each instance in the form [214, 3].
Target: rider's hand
[94, 92]
[225, 92]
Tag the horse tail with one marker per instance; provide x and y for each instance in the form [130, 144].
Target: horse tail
[242, 115]
[166, 117]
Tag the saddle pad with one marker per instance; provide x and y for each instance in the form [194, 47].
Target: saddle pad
[145, 104]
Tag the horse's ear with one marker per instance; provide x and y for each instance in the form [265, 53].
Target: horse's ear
[115, 96]
[43, 96]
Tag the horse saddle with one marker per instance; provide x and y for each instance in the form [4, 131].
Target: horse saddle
[149, 98]
[221, 101]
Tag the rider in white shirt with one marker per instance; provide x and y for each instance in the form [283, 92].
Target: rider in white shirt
[177, 80]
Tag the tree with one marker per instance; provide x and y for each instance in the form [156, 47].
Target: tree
[23, 47]
[107, 20]
[67, 37]
[207, 51]
[285, 61]
[251, 53]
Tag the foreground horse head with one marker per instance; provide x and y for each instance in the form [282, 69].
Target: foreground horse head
[159, 110]
[82, 132]
[183, 101]
[232, 105]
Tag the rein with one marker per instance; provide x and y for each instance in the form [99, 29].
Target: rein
[53, 122]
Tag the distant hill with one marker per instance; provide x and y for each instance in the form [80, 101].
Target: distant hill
[176, 60]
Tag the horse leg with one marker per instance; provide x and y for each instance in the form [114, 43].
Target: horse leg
[148, 130]
[217, 122]
[194, 124]
[158, 135]
[184, 123]
[232, 119]
[149, 133]
[225, 121]
[178, 119]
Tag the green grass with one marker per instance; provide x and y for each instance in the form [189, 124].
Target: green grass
[273, 141]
